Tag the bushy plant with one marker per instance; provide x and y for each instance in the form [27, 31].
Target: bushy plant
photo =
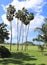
[4, 52]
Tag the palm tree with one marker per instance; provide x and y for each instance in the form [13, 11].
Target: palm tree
[19, 17]
[23, 18]
[27, 17]
[10, 14]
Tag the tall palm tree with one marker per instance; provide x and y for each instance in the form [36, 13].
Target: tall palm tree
[29, 17]
[17, 15]
[23, 18]
[10, 14]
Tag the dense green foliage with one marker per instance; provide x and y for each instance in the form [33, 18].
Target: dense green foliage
[10, 13]
[4, 34]
[24, 16]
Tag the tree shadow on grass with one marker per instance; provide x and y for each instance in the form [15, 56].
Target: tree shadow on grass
[13, 61]
[45, 54]
[17, 58]
[23, 56]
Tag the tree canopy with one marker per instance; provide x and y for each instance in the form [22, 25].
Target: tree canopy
[4, 33]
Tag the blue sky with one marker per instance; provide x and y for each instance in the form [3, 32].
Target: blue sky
[38, 7]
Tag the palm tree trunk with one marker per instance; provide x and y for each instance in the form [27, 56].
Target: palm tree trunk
[17, 37]
[27, 38]
[22, 37]
[20, 31]
[10, 35]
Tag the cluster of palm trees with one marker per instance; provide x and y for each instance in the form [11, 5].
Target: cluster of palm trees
[24, 16]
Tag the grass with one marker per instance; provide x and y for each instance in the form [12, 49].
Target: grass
[32, 56]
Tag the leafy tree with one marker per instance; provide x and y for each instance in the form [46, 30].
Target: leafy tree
[42, 36]
[4, 34]
[10, 14]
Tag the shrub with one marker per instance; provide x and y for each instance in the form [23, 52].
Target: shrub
[4, 52]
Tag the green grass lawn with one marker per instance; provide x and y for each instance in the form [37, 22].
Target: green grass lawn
[32, 56]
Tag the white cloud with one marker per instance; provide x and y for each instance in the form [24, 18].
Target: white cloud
[5, 19]
[4, 8]
[36, 5]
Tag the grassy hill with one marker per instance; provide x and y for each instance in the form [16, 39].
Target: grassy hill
[32, 56]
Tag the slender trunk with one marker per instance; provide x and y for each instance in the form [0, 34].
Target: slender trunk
[10, 35]
[17, 37]
[22, 37]
[26, 45]
[25, 36]
[20, 30]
